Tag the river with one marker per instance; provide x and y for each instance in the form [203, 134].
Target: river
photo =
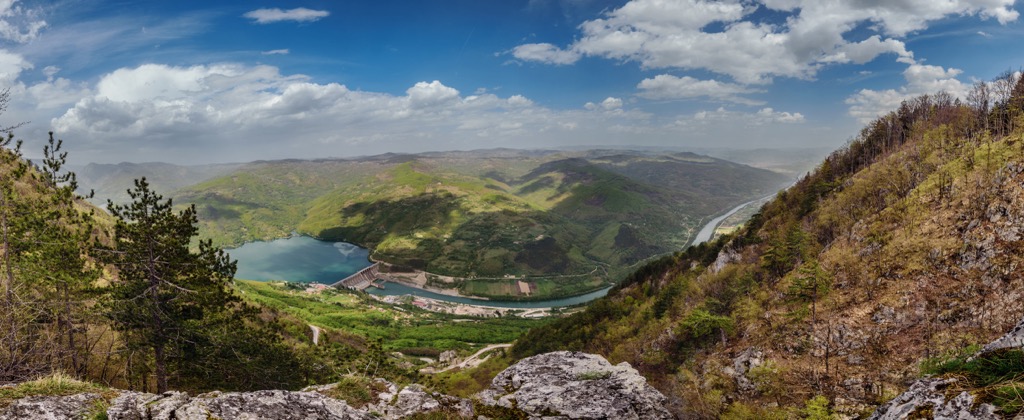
[305, 260]
[393, 289]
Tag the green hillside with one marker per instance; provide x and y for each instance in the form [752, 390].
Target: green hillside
[485, 214]
[897, 257]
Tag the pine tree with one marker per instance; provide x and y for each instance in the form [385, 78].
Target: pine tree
[164, 290]
[62, 235]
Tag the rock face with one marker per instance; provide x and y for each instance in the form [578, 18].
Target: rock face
[574, 385]
[560, 385]
[930, 397]
[927, 398]
[50, 408]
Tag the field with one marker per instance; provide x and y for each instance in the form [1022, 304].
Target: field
[401, 328]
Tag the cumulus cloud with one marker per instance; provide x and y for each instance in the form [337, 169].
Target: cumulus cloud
[666, 86]
[770, 115]
[11, 66]
[761, 117]
[921, 79]
[239, 112]
[545, 53]
[19, 24]
[676, 34]
[608, 104]
[423, 94]
[301, 14]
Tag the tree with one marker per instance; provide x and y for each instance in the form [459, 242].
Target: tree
[164, 290]
[61, 236]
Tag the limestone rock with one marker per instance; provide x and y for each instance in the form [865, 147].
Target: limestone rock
[132, 405]
[747, 359]
[163, 407]
[725, 257]
[574, 385]
[447, 357]
[1012, 339]
[926, 398]
[283, 405]
[413, 400]
[50, 408]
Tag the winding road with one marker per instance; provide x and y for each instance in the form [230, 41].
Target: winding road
[471, 361]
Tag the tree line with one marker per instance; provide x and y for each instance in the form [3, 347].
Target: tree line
[132, 299]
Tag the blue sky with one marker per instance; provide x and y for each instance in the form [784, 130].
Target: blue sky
[200, 81]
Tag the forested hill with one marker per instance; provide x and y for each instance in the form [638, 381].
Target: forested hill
[484, 213]
[895, 258]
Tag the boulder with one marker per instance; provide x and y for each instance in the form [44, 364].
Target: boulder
[413, 400]
[283, 405]
[560, 385]
[66, 407]
[574, 385]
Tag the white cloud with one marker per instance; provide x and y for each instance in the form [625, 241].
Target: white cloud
[425, 94]
[11, 66]
[237, 112]
[666, 86]
[276, 52]
[762, 117]
[19, 24]
[675, 34]
[545, 53]
[300, 14]
[608, 104]
[921, 79]
[770, 115]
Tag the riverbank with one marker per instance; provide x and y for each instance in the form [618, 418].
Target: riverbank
[465, 309]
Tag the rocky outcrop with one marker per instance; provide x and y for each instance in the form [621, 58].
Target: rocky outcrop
[927, 398]
[51, 408]
[574, 385]
[748, 359]
[940, 399]
[560, 385]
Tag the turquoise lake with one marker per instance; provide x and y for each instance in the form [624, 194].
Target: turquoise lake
[306, 260]
[299, 259]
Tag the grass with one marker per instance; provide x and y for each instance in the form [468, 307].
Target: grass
[404, 328]
[55, 384]
[479, 214]
[995, 377]
[357, 391]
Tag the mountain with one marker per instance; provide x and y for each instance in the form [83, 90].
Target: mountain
[112, 181]
[485, 214]
[898, 256]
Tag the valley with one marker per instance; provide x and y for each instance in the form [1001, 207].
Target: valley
[494, 224]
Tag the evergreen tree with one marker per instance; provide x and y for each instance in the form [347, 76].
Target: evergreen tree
[164, 290]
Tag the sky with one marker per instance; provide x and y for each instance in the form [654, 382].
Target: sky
[204, 81]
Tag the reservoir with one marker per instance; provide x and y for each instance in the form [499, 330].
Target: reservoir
[306, 260]
[299, 259]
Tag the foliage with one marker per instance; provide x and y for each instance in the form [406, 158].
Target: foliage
[817, 408]
[895, 245]
[543, 215]
[55, 384]
[47, 281]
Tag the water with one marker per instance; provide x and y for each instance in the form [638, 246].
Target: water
[299, 259]
[392, 289]
[305, 260]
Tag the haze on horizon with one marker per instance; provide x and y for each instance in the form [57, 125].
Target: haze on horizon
[201, 82]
